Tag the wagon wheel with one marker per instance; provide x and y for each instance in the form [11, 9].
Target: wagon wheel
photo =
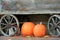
[54, 25]
[9, 25]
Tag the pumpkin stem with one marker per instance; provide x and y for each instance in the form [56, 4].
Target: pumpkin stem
[40, 22]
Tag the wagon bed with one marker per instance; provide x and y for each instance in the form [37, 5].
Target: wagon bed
[33, 7]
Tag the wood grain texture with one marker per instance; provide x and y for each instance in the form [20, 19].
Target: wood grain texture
[28, 5]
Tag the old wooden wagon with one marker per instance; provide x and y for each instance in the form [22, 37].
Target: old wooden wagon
[14, 12]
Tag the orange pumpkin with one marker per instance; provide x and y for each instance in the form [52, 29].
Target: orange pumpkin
[39, 30]
[27, 29]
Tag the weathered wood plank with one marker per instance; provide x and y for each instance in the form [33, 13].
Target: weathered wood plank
[31, 6]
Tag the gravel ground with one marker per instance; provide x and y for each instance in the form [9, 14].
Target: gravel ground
[27, 38]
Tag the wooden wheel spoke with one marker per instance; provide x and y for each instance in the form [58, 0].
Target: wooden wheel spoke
[3, 24]
[53, 21]
[5, 27]
[11, 31]
[52, 28]
[11, 20]
[58, 23]
[54, 31]
[58, 26]
[7, 31]
[56, 19]
[58, 31]
[51, 24]
[5, 20]
[13, 23]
